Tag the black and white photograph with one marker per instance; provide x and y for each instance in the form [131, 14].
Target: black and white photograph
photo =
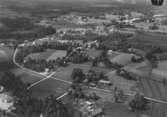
[83, 58]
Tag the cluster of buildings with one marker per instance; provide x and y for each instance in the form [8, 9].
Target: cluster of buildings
[90, 109]
[6, 100]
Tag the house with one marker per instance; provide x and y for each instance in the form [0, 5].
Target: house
[6, 102]
[90, 109]
[105, 82]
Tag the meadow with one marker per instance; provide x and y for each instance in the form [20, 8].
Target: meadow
[49, 87]
[149, 39]
[49, 54]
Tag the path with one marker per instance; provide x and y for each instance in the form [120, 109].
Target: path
[36, 83]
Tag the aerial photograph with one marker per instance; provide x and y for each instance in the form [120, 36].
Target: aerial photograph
[83, 58]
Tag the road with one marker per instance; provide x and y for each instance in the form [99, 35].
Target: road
[36, 83]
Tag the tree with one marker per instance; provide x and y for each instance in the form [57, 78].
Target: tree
[13, 84]
[77, 75]
[138, 103]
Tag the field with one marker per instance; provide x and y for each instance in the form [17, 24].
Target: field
[48, 87]
[122, 59]
[162, 65]
[118, 110]
[120, 82]
[25, 76]
[57, 54]
[49, 54]
[41, 55]
[161, 70]
[65, 72]
[149, 39]
[154, 89]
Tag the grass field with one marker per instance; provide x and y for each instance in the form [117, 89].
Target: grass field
[48, 87]
[161, 70]
[25, 76]
[49, 54]
[41, 55]
[149, 39]
[162, 65]
[122, 59]
[154, 89]
[121, 83]
[119, 110]
[65, 72]
[56, 54]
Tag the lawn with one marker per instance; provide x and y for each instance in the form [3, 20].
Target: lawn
[26, 77]
[149, 39]
[56, 54]
[121, 83]
[118, 110]
[48, 87]
[162, 65]
[113, 55]
[41, 55]
[49, 54]
[64, 73]
[161, 71]
[122, 59]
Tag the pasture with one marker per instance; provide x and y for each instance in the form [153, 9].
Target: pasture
[120, 58]
[126, 85]
[57, 54]
[161, 70]
[49, 54]
[48, 87]
[119, 110]
[41, 55]
[25, 76]
[149, 39]
[64, 73]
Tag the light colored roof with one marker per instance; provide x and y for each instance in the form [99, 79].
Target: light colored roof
[6, 102]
